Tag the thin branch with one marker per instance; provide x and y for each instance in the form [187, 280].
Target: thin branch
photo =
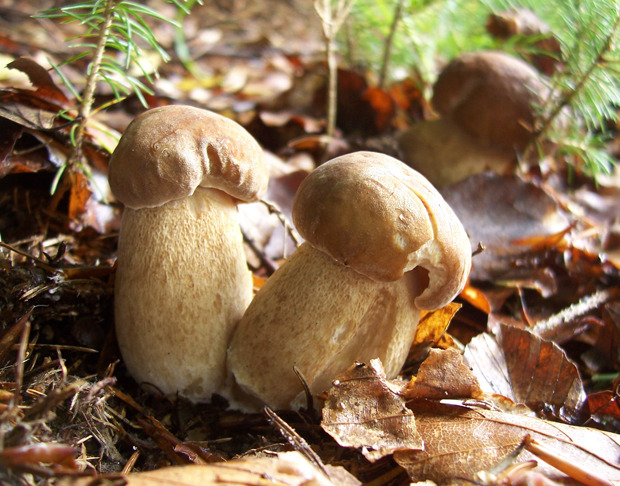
[387, 52]
[331, 24]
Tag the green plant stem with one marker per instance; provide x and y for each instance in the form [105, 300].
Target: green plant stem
[387, 51]
[91, 83]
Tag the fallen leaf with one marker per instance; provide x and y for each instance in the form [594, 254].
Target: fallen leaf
[26, 110]
[606, 349]
[443, 375]
[477, 298]
[496, 210]
[409, 96]
[604, 406]
[383, 104]
[11, 132]
[80, 194]
[364, 410]
[430, 330]
[527, 369]
[459, 441]
[40, 79]
[285, 469]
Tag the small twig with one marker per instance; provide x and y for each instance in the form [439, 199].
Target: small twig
[331, 25]
[567, 465]
[37, 261]
[127, 468]
[21, 358]
[586, 304]
[273, 209]
[307, 392]
[297, 441]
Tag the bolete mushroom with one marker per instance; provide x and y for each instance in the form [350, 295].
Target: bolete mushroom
[381, 244]
[445, 154]
[492, 96]
[182, 281]
[487, 102]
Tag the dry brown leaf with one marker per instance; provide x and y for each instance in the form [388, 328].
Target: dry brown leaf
[80, 194]
[540, 372]
[496, 210]
[443, 375]
[40, 79]
[527, 369]
[430, 330]
[459, 441]
[477, 298]
[285, 469]
[606, 349]
[364, 410]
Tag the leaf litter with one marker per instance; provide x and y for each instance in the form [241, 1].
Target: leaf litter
[538, 323]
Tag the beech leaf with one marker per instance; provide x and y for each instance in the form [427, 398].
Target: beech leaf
[461, 441]
[431, 330]
[527, 369]
[443, 375]
[285, 469]
[363, 409]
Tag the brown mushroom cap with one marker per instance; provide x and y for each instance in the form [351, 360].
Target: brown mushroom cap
[491, 95]
[167, 152]
[373, 213]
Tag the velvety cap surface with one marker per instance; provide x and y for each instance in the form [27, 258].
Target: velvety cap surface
[167, 152]
[375, 214]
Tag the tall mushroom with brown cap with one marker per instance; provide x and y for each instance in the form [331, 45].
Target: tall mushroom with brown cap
[182, 282]
[381, 244]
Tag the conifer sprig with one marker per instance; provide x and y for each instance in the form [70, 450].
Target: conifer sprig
[113, 39]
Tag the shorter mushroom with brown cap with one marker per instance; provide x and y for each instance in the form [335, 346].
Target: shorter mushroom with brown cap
[492, 96]
[488, 103]
[182, 282]
[381, 244]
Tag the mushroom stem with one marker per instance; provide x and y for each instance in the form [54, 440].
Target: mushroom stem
[343, 316]
[178, 265]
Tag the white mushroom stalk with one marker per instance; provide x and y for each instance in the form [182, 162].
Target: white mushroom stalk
[381, 244]
[182, 281]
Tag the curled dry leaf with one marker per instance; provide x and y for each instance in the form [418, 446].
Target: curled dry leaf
[443, 375]
[431, 330]
[460, 441]
[363, 409]
[40, 79]
[34, 109]
[286, 469]
[526, 369]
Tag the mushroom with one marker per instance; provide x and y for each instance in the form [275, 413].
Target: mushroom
[182, 281]
[492, 96]
[487, 102]
[446, 154]
[381, 244]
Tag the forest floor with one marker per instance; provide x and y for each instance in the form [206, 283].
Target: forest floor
[539, 322]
